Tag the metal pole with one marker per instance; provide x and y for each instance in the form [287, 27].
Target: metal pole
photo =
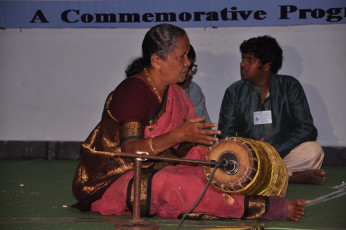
[160, 158]
[137, 190]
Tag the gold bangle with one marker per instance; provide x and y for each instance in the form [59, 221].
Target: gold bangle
[151, 145]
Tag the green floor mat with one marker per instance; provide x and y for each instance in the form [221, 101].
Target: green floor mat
[36, 194]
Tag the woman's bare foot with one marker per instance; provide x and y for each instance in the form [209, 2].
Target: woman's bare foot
[296, 209]
[312, 176]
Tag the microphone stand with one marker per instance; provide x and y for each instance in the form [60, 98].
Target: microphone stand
[136, 223]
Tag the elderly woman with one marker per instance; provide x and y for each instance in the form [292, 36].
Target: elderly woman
[149, 112]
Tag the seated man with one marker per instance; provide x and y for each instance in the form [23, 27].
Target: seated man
[266, 106]
[193, 90]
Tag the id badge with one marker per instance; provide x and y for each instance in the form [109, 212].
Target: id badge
[262, 117]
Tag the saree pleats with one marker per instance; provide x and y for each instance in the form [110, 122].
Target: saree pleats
[99, 167]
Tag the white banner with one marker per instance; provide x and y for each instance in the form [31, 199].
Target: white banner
[147, 13]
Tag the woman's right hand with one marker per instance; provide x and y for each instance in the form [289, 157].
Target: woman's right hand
[194, 130]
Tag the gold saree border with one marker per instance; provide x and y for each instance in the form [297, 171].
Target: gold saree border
[132, 129]
[145, 192]
[255, 207]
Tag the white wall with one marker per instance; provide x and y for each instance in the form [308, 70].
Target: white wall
[54, 81]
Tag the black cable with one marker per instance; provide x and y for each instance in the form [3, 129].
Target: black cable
[205, 189]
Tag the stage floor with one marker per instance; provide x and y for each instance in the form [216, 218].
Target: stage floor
[36, 194]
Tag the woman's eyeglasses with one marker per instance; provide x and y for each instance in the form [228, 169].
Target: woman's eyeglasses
[193, 68]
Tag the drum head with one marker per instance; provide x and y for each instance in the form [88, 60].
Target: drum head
[244, 169]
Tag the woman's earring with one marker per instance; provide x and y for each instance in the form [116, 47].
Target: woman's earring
[158, 67]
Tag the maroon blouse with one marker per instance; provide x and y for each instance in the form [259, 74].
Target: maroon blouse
[133, 100]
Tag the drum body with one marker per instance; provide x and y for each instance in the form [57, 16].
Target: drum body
[248, 167]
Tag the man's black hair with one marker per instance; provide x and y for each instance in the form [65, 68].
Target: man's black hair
[266, 49]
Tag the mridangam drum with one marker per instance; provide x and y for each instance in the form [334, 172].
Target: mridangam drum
[248, 167]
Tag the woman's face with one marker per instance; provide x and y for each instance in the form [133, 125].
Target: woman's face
[176, 66]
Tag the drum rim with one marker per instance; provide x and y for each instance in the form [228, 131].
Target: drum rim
[244, 141]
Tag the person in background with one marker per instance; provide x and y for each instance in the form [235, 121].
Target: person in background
[193, 90]
[266, 106]
[149, 112]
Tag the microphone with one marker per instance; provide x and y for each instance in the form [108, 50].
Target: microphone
[229, 163]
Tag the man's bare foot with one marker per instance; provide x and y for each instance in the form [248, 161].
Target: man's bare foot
[312, 176]
[296, 209]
